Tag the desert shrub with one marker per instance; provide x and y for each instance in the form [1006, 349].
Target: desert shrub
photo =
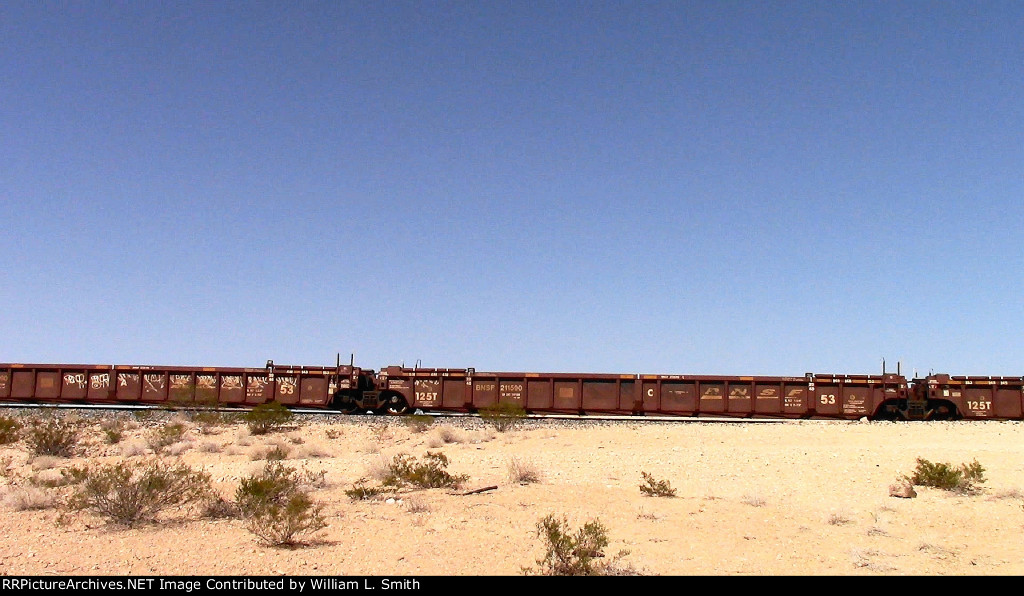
[128, 494]
[9, 428]
[113, 431]
[523, 472]
[362, 491]
[569, 553]
[754, 500]
[276, 452]
[417, 506]
[448, 434]
[312, 452]
[964, 479]
[504, 415]
[29, 498]
[52, 436]
[275, 506]
[419, 423]
[430, 473]
[220, 508]
[166, 435]
[653, 487]
[266, 418]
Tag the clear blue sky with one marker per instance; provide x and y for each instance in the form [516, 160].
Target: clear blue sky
[680, 187]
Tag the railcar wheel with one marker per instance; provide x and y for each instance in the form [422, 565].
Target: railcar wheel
[396, 405]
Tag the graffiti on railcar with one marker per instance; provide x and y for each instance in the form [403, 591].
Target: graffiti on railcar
[99, 380]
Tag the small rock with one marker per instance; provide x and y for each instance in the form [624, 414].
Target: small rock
[903, 489]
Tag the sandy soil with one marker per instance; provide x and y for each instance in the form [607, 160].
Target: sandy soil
[753, 498]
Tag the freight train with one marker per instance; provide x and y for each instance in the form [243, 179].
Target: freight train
[397, 390]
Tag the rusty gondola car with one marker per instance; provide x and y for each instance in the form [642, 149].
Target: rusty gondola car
[399, 390]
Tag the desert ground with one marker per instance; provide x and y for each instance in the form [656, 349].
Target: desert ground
[780, 498]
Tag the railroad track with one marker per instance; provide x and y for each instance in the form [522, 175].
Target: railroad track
[370, 415]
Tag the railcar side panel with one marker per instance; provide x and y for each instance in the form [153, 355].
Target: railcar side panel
[676, 398]
[796, 398]
[712, 397]
[629, 399]
[453, 393]
[1008, 402]
[600, 395]
[485, 393]
[566, 396]
[100, 387]
[539, 394]
[129, 386]
[313, 391]
[232, 389]
[74, 385]
[768, 398]
[155, 387]
[48, 385]
[739, 400]
[259, 389]
[24, 384]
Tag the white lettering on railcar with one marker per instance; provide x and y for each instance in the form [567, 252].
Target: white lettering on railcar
[427, 392]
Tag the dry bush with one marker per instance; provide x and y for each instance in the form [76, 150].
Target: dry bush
[45, 462]
[838, 519]
[209, 447]
[964, 479]
[52, 436]
[480, 436]
[653, 487]
[243, 437]
[362, 491]
[274, 452]
[578, 553]
[9, 430]
[128, 494]
[523, 472]
[448, 434]
[313, 451]
[267, 418]
[113, 431]
[382, 433]
[164, 436]
[378, 468]
[220, 508]
[30, 498]
[504, 415]
[276, 508]
[419, 423]
[179, 448]
[753, 500]
[414, 505]
[133, 449]
[649, 515]
[877, 530]
[405, 470]
[49, 478]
